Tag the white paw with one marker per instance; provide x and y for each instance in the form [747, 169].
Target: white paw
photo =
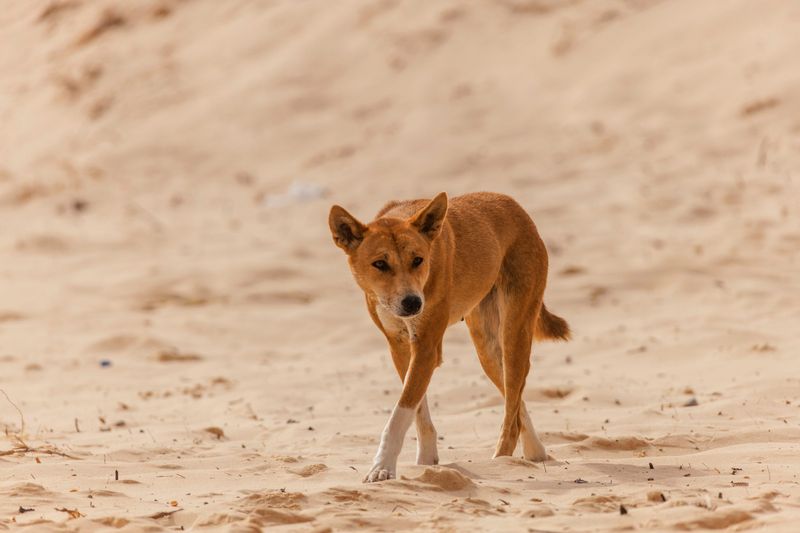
[380, 471]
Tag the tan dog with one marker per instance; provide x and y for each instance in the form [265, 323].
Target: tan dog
[423, 266]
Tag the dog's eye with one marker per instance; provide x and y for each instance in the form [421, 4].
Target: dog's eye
[381, 265]
[416, 262]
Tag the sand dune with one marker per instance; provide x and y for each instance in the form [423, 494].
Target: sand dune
[186, 346]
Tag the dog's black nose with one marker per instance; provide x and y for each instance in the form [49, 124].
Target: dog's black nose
[411, 304]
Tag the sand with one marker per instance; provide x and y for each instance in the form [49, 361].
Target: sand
[186, 344]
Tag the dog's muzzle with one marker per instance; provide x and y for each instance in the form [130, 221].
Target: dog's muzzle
[410, 305]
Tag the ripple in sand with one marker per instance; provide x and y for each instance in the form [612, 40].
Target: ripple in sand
[598, 504]
[717, 520]
[271, 517]
[275, 498]
[310, 470]
[617, 443]
[27, 490]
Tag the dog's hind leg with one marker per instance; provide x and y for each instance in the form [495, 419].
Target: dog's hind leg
[516, 341]
[532, 447]
[520, 290]
[483, 323]
[484, 328]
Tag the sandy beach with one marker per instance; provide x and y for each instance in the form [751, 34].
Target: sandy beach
[183, 347]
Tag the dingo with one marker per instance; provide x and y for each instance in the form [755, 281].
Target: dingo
[423, 266]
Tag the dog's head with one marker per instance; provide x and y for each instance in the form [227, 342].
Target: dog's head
[389, 257]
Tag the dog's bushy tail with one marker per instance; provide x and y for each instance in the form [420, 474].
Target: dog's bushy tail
[550, 326]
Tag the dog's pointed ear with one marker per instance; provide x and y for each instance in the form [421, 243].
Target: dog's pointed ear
[347, 231]
[430, 218]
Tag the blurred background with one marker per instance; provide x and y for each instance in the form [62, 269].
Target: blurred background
[167, 166]
[655, 142]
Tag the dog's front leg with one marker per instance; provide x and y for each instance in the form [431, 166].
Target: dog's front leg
[424, 360]
[384, 465]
